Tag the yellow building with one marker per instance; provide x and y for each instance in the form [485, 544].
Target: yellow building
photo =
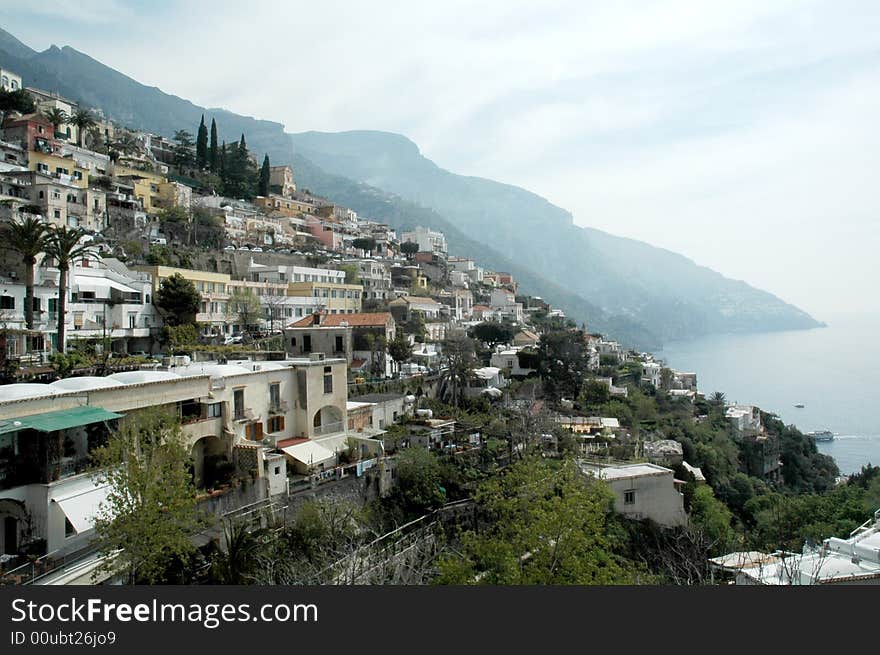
[57, 166]
[335, 298]
[213, 288]
[285, 206]
[147, 186]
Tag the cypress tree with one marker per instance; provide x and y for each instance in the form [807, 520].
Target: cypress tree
[221, 164]
[263, 189]
[242, 146]
[202, 145]
[213, 154]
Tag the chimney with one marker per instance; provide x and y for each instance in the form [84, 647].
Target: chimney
[316, 318]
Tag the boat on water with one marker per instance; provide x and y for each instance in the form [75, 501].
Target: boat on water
[799, 405]
[821, 435]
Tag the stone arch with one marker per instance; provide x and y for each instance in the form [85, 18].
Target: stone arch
[327, 420]
[206, 453]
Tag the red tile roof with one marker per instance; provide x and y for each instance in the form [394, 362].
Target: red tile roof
[373, 319]
[284, 443]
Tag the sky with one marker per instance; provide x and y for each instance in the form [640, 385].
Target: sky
[742, 134]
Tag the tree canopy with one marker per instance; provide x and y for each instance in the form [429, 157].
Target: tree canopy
[178, 299]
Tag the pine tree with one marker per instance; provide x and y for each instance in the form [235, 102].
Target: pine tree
[202, 145]
[213, 154]
[263, 189]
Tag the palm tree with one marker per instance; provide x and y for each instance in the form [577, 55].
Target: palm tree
[63, 245]
[83, 119]
[57, 117]
[28, 238]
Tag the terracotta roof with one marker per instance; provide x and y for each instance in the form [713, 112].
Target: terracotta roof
[481, 308]
[284, 443]
[353, 320]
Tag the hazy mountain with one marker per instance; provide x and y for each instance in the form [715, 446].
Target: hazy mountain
[655, 287]
[640, 294]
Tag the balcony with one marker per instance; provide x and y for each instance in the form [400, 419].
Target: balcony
[329, 428]
[280, 407]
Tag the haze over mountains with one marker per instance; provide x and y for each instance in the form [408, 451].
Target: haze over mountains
[640, 294]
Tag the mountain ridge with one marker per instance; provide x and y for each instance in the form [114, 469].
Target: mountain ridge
[595, 276]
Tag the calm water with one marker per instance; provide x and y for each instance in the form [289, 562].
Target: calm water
[833, 371]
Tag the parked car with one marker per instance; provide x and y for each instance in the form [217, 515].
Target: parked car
[229, 248]
[257, 249]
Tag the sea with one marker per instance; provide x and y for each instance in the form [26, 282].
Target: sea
[833, 371]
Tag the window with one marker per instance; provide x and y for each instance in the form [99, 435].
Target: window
[7, 302]
[307, 343]
[214, 410]
[275, 424]
[274, 395]
[255, 431]
[338, 344]
[36, 304]
[629, 497]
[328, 379]
[238, 404]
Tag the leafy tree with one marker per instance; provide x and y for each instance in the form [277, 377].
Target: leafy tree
[27, 238]
[244, 308]
[65, 246]
[547, 525]
[178, 337]
[150, 513]
[352, 274]
[84, 121]
[18, 100]
[595, 393]
[178, 300]
[710, 516]
[364, 243]
[563, 363]
[183, 151]
[202, 145]
[419, 484]
[213, 154]
[409, 248]
[492, 333]
[399, 349]
[265, 174]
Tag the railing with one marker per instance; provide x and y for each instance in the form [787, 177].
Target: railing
[31, 571]
[329, 428]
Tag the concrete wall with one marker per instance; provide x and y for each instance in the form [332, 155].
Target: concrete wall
[656, 498]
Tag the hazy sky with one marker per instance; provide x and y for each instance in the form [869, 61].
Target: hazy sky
[742, 134]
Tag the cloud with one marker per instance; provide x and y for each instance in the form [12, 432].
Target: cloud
[738, 132]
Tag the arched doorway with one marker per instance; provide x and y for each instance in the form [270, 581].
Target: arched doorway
[210, 462]
[13, 526]
[327, 420]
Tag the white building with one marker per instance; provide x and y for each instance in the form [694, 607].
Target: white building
[253, 414]
[643, 491]
[428, 240]
[854, 560]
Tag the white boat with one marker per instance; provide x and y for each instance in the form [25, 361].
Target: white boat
[821, 435]
[799, 405]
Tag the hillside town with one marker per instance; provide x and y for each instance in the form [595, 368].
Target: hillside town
[305, 351]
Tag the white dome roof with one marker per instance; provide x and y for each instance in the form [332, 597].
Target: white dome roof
[139, 377]
[25, 390]
[84, 383]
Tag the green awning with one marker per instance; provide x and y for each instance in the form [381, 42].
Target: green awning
[60, 420]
